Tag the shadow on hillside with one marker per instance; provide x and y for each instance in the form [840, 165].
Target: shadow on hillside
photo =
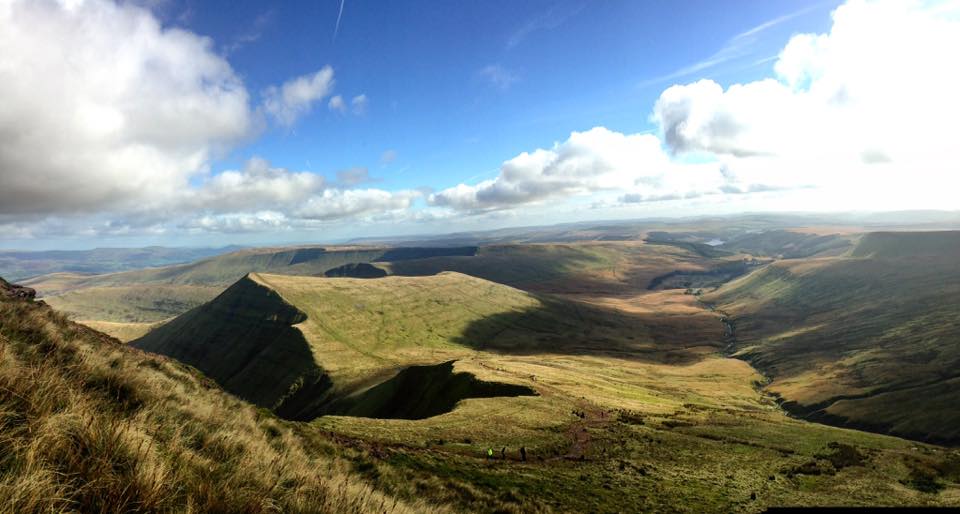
[419, 392]
[573, 328]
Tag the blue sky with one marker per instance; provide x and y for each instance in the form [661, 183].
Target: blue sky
[568, 66]
[187, 122]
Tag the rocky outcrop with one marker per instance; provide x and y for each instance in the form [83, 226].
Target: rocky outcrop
[15, 292]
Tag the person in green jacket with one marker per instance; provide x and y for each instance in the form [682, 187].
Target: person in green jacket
[489, 453]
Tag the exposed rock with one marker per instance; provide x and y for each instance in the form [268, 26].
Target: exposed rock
[13, 291]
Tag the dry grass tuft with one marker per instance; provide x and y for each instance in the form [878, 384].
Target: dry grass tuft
[89, 425]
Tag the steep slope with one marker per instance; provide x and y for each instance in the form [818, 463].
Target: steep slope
[351, 334]
[871, 340]
[90, 425]
[908, 244]
[244, 339]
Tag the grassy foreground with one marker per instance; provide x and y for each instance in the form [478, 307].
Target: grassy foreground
[89, 425]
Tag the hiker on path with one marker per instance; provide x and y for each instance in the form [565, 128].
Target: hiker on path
[503, 453]
[523, 454]
[489, 453]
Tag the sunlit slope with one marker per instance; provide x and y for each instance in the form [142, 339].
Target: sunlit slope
[154, 294]
[293, 343]
[90, 425]
[616, 419]
[138, 303]
[585, 268]
[871, 340]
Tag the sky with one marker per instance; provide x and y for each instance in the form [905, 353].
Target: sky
[205, 123]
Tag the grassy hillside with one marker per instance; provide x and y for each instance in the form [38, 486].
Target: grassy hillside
[123, 302]
[592, 268]
[908, 244]
[89, 425]
[871, 340]
[621, 419]
[126, 301]
[352, 333]
[131, 304]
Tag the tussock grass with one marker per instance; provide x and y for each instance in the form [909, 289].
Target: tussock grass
[89, 425]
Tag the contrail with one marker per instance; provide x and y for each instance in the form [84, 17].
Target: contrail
[339, 15]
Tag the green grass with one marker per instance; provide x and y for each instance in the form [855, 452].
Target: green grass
[140, 303]
[868, 340]
[609, 431]
[89, 425]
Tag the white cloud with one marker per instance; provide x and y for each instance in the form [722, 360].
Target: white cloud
[239, 222]
[338, 204]
[870, 106]
[296, 97]
[103, 107]
[498, 76]
[337, 104]
[588, 162]
[109, 122]
[359, 104]
[258, 186]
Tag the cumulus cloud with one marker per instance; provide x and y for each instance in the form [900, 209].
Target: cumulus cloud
[109, 123]
[239, 222]
[296, 97]
[258, 186]
[338, 204]
[261, 197]
[587, 162]
[93, 118]
[873, 98]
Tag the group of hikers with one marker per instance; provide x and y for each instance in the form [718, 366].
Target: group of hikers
[503, 453]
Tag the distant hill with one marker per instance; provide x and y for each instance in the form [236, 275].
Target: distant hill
[18, 265]
[871, 340]
[909, 244]
[156, 294]
[132, 300]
